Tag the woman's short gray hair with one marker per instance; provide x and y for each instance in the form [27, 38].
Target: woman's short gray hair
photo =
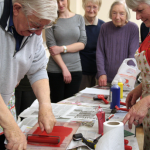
[134, 3]
[43, 9]
[118, 2]
[85, 2]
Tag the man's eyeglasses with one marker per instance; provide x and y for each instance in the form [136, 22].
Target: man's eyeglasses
[36, 26]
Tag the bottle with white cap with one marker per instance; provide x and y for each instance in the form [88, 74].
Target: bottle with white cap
[120, 84]
[115, 95]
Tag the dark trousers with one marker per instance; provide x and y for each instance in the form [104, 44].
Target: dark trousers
[87, 81]
[2, 139]
[24, 99]
[59, 89]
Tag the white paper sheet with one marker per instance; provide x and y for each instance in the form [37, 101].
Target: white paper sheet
[84, 99]
[95, 91]
[30, 121]
[25, 129]
[58, 110]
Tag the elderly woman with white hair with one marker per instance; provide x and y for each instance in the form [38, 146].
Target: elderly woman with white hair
[140, 111]
[88, 55]
[118, 40]
[22, 53]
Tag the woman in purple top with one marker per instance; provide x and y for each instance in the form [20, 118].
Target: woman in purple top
[118, 40]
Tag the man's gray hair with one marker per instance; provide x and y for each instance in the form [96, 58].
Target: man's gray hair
[134, 3]
[43, 9]
[119, 2]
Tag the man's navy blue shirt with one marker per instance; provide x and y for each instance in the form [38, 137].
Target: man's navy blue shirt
[12, 29]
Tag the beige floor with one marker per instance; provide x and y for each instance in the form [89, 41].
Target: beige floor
[140, 137]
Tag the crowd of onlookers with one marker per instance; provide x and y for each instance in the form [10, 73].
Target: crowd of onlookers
[85, 51]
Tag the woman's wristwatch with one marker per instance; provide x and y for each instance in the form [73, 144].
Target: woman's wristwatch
[65, 49]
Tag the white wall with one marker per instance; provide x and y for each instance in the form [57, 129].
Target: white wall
[76, 6]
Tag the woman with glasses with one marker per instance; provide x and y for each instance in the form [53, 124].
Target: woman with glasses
[138, 100]
[64, 41]
[88, 55]
[118, 40]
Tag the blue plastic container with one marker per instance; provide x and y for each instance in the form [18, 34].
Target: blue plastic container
[115, 95]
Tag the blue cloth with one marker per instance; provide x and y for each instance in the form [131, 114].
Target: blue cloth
[11, 24]
[88, 55]
[143, 31]
[12, 29]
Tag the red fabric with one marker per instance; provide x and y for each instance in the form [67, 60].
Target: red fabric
[60, 131]
[145, 46]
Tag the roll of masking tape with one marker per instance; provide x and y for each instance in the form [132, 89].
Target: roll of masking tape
[113, 138]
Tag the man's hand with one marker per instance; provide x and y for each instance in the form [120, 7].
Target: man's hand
[16, 139]
[46, 117]
[102, 81]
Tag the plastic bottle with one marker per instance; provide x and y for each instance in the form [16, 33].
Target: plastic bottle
[115, 95]
[101, 120]
[120, 84]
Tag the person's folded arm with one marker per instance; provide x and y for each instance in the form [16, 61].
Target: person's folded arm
[51, 43]
[71, 48]
[80, 44]
[75, 47]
